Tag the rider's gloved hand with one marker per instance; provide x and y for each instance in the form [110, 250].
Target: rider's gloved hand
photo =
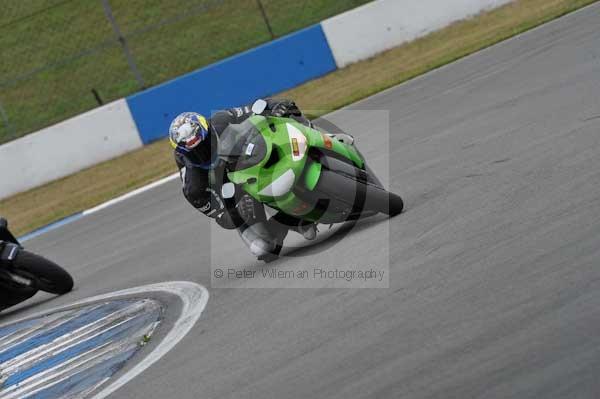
[283, 108]
[210, 203]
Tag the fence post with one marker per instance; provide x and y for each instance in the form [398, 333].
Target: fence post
[121, 39]
[9, 126]
[266, 18]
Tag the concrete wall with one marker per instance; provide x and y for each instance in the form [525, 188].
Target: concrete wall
[67, 147]
[381, 25]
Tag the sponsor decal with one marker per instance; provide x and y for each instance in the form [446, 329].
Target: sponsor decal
[301, 207]
[295, 148]
[327, 141]
[297, 142]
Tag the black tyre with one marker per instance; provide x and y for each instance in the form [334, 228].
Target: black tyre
[12, 294]
[394, 205]
[337, 185]
[380, 200]
[48, 275]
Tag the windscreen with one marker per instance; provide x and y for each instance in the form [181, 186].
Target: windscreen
[241, 146]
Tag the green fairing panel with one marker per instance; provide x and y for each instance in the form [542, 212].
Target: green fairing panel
[313, 172]
[278, 134]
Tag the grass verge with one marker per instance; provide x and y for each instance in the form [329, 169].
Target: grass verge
[54, 52]
[37, 207]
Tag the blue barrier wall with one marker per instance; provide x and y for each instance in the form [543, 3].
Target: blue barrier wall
[238, 80]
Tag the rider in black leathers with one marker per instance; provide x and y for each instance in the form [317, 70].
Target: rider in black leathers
[194, 141]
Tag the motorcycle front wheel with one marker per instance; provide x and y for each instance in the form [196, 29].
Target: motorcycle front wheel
[12, 294]
[48, 275]
[344, 187]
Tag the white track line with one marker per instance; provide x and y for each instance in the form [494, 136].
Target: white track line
[194, 298]
[77, 216]
[131, 194]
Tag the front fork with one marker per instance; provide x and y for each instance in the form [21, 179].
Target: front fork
[9, 245]
[8, 253]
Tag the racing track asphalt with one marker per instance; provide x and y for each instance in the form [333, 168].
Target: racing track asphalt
[495, 266]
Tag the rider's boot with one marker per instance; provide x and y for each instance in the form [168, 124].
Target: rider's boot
[308, 230]
[264, 239]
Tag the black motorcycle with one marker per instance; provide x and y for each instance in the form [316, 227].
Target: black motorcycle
[23, 274]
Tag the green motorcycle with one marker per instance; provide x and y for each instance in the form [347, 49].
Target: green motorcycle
[301, 172]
